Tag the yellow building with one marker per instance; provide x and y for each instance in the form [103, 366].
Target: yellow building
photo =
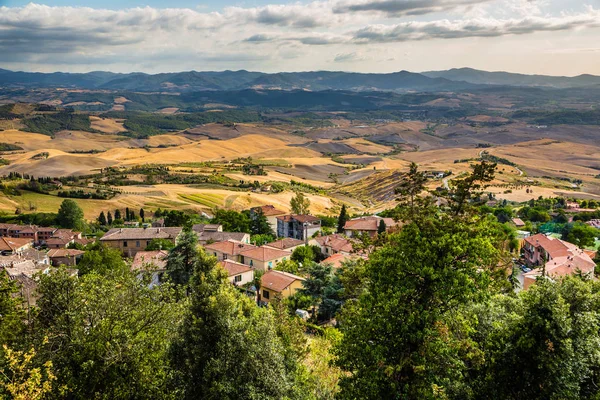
[132, 240]
[263, 258]
[277, 283]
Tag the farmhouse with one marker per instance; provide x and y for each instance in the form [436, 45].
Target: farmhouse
[333, 244]
[131, 240]
[299, 227]
[238, 274]
[9, 245]
[69, 257]
[367, 225]
[227, 250]
[277, 283]
[263, 258]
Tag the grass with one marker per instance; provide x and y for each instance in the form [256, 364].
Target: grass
[205, 199]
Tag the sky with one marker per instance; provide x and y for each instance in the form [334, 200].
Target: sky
[553, 37]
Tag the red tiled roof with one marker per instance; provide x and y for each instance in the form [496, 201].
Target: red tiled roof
[518, 222]
[336, 260]
[141, 233]
[336, 241]
[156, 260]
[229, 247]
[12, 244]
[269, 210]
[60, 253]
[234, 268]
[554, 247]
[265, 253]
[368, 223]
[277, 281]
[299, 218]
[286, 243]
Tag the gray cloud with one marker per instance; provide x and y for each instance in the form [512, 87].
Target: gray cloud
[396, 8]
[349, 57]
[260, 38]
[444, 29]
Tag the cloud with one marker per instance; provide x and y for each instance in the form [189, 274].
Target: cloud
[398, 8]
[349, 57]
[303, 16]
[482, 27]
[260, 38]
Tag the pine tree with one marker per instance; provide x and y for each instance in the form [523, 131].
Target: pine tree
[382, 227]
[342, 219]
[102, 218]
[118, 214]
[109, 218]
[127, 216]
[142, 215]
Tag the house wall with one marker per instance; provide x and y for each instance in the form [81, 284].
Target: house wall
[132, 247]
[287, 292]
[244, 277]
[261, 265]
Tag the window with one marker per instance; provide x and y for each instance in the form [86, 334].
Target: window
[251, 263]
[125, 244]
[270, 264]
[238, 278]
[224, 256]
[266, 294]
[147, 243]
[137, 243]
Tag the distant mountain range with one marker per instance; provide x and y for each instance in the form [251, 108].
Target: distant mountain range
[432, 81]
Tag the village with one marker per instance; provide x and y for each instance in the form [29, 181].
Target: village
[264, 269]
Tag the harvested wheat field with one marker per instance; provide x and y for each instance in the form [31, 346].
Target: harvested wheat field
[107, 125]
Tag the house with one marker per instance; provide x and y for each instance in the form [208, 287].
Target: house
[277, 283]
[38, 234]
[11, 230]
[299, 227]
[227, 250]
[158, 223]
[61, 238]
[518, 222]
[539, 249]
[594, 223]
[153, 262]
[23, 272]
[210, 233]
[288, 244]
[333, 244]
[368, 225]
[10, 245]
[263, 258]
[69, 257]
[238, 274]
[270, 212]
[576, 262]
[572, 205]
[131, 240]
[336, 260]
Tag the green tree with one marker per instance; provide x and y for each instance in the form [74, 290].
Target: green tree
[70, 215]
[300, 204]
[381, 228]
[259, 240]
[303, 254]
[580, 234]
[182, 258]
[423, 272]
[412, 185]
[142, 215]
[118, 214]
[102, 260]
[342, 219]
[176, 218]
[232, 220]
[102, 218]
[160, 244]
[109, 218]
[108, 335]
[228, 348]
[127, 214]
[259, 224]
[11, 311]
[464, 191]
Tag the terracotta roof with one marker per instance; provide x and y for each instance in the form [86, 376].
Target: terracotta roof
[336, 242]
[368, 223]
[336, 260]
[12, 244]
[10, 226]
[156, 260]
[264, 253]
[299, 218]
[269, 210]
[60, 253]
[221, 236]
[58, 240]
[26, 267]
[234, 268]
[229, 247]
[566, 265]
[277, 281]
[141, 233]
[199, 228]
[286, 243]
[554, 247]
[518, 222]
